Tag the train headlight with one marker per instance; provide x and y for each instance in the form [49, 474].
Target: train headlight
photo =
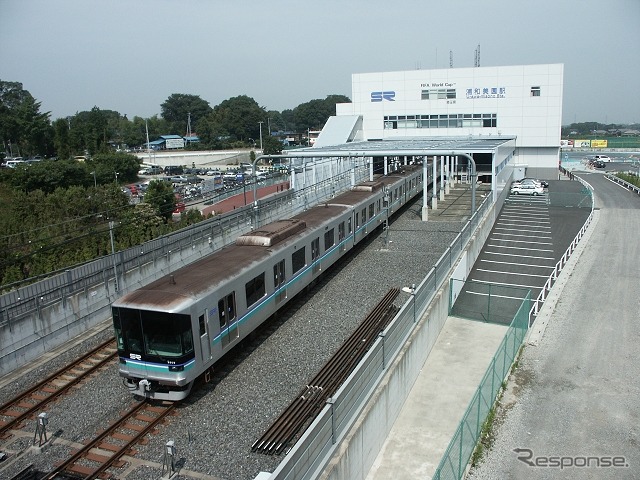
[176, 368]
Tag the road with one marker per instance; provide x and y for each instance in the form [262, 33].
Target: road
[572, 407]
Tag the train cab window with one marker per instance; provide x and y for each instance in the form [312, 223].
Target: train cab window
[298, 260]
[329, 239]
[255, 289]
[201, 325]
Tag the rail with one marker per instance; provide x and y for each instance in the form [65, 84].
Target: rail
[311, 399]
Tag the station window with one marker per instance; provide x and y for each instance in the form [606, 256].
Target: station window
[535, 91]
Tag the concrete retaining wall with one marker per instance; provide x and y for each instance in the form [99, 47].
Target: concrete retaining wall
[360, 447]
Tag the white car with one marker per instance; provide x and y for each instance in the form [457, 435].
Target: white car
[602, 158]
[526, 189]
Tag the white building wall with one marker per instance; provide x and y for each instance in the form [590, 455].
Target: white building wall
[503, 91]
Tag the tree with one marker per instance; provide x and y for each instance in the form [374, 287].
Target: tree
[314, 114]
[177, 109]
[22, 125]
[241, 117]
[160, 196]
[271, 146]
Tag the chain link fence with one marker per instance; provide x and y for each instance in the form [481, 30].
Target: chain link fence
[455, 459]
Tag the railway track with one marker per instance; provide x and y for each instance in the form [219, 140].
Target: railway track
[280, 435]
[34, 400]
[119, 439]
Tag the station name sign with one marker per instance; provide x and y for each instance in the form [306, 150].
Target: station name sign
[486, 92]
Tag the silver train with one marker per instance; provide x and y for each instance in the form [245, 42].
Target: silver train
[173, 330]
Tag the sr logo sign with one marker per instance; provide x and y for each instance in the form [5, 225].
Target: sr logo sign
[380, 96]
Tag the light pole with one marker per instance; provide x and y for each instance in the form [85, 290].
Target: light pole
[260, 123]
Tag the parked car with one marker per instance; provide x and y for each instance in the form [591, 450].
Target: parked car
[179, 179]
[526, 189]
[531, 181]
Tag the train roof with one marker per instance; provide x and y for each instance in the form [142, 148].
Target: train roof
[177, 290]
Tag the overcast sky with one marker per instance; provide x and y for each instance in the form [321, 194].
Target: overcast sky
[131, 55]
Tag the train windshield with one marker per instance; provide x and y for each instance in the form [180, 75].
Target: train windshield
[153, 334]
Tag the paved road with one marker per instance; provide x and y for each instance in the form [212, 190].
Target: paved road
[576, 392]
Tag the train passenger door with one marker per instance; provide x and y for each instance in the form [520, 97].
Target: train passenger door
[315, 254]
[228, 319]
[279, 279]
[205, 344]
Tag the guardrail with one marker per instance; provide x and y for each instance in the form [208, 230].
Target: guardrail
[553, 276]
[629, 186]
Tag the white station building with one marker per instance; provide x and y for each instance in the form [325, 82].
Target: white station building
[512, 114]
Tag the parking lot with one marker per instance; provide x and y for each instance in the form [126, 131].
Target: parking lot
[528, 238]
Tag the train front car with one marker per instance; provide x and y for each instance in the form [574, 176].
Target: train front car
[156, 351]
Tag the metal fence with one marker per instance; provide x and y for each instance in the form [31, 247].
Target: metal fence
[306, 459]
[493, 303]
[455, 459]
[26, 298]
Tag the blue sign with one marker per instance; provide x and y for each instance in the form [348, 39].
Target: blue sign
[380, 96]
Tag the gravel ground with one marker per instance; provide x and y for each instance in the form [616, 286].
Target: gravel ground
[215, 428]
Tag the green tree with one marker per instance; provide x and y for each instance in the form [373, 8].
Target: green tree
[241, 117]
[271, 146]
[22, 126]
[160, 196]
[314, 114]
[106, 165]
[179, 106]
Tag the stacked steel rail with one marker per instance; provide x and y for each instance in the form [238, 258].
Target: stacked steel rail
[312, 398]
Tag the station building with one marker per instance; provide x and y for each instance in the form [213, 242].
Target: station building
[516, 107]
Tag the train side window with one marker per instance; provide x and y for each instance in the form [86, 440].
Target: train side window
[364, 215]
[255, 289]
[357, 220]
[372, 211]
[341, 233]
[298, 260]
[349, 226]
[329, 239]
[378, 205]
[201, 324]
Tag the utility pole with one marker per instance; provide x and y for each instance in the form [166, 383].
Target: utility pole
[261, 136]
